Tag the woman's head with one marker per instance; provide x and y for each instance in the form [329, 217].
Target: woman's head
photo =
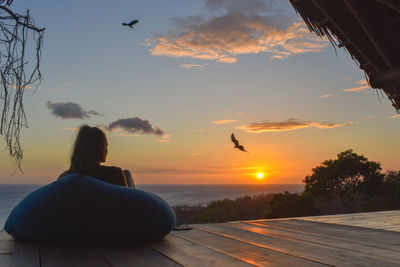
[90, 149]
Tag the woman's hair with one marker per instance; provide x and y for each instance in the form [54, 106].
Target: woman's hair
[88, 150]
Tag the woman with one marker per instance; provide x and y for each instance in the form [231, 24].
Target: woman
[90, 150]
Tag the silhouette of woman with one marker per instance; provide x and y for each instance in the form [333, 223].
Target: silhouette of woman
[90, 150]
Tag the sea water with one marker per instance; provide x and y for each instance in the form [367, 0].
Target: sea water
[191, 195]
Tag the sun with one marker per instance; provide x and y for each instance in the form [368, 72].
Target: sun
[260, 175]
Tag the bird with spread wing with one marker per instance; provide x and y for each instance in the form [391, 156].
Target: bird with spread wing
[130, 24]
[237, 145]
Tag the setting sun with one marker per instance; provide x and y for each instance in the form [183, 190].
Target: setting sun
[260, 175]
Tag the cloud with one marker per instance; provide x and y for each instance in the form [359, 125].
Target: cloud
[128, 135]
[135, 125]
[57, 88]
[325, 96]
[13, 86]
[395, 116]
[164, 138]
[195, 154]
[196, 131]
[194, 66]
[224, 121]
[363, 83]
[218, 170]
[70, 110]
[158, 170]
[40, 87]
[236, 5]
[184, 171]
[289, 124]
[244, 27]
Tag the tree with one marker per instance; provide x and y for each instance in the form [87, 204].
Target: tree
[349, 174]
[17, 72]
[291, 205]
[391, 188]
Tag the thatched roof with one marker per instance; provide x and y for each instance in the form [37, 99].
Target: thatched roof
[368, 29]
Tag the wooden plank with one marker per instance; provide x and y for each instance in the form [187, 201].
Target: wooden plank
[3, 258]
[23, 255]
[249, 253]
[375, 220]
[124, 256]
[375, 216]
[330, 241]
[5, 236]
[381, 238]
[69, 256]
[17, 254]
[6, 243]
[301, 249]
[188, 253]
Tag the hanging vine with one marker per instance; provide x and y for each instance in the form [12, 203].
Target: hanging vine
[19, 70]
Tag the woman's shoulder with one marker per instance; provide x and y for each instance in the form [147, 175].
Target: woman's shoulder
[63, 174]
[111, 169]
[115, 173]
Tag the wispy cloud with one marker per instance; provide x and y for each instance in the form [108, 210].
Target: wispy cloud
[226, 121]
[395, 116]
[195, 154]
[128, 135]
[13, 86]
[164, 138]
[184, 171]
[194, 66]
[57, 88]
[70, 110]
[71, 128]
[325, 96]
[288, 125]
[196, 131]
[205, 170]
[135, 125]
[363, 85]
[165, 170]
[241, 29]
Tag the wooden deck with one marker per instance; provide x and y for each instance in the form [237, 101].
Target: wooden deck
[336, 240]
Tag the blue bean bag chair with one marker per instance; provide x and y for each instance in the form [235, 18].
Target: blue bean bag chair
[82, 209]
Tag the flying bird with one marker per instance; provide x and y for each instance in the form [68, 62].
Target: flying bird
[130, 24]
[236, 142]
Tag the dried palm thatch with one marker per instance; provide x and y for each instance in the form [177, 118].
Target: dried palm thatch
[368, 29]
[19, 69]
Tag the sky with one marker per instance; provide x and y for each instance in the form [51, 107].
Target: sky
[169, 93]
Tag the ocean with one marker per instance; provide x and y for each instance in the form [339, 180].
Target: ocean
[11, 194]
